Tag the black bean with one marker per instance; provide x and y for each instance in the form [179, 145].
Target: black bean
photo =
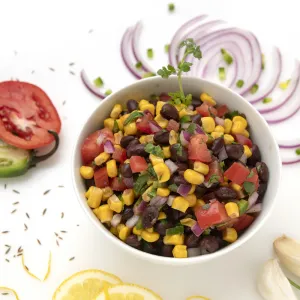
[183, 156]
[234, 151]
[196, 119]
[127, 214]
[209, 196]
[132, 105]
[196, 102]
[89, 183]
[177, 215]
[168, 111]
[200, 190]
[262, 190]
[187, 230]
[166, 250]
[153, 101]
[192, 241]
[225, 193]
[149, 216]
[126, 170]
[150, 248]
[182, 166]
[161, 226]
[178, 180]
[162, 137]
[255, 157]
[134, 142]
[125, 140]
[262, 171]
[209, 244]
[133, 241]
[217, 145]
[178, 155]
[138, 150]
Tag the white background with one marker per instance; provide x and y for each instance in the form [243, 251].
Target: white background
[54, 33]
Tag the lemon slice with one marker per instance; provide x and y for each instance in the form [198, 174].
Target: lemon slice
[8, 291]
[197, 298]
[85, 285]
[128, 292]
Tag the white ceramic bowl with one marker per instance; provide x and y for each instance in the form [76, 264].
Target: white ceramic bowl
[260, 134]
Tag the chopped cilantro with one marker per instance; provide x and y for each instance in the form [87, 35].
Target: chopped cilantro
[206, 206]
[108, 92]
[232, 114]
[249, 187]
[148, 74]
[133, 116]
[240, 83]
[185, 119]
[226, 56]
[167, 47]
[284, 85]
[152, 194]
[214, 178]
[173, 187]
[150, 53]
[254, 88]
[263, 62]
[155, 150]
[98, 82]
[243, 206]
[267, 100]
[207, 231]
[251, 174]
[138, 65]
[222, 165]
[175, 230]
[140, 183]
[178, 149]
[171, 7]
[297, 151]
[116, 127]
[151, 171]
[222, 73]
[191, 129]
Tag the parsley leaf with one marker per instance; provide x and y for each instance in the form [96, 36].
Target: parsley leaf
[185, 119]
[151, 171]
[214, 178]
[133, 116]
[232, 114]
[173, 187]
[191, 129]
[249, 187]
[155, 150]
[178, 149]
[140, 183]
[175, 230]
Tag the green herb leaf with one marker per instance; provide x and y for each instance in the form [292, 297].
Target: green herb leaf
[139, 224]
[152, 194]
[166, 72]
[267, 100]
[132, 117]
[206, 206]
[214, 178]
[116, 127]
[251, 174]
[171, 7]
[297, 151]
[150, 53]
[173, 187]
[254, 88]
[249, 187]
[243, 206]
[191, 129]
[138, 65]
[207, 231]
[98, 82]
[222, 73]
[188, 99]
[222, 165]
[178, 149]
[226, 56]
[240, 83]
[151, 171]
[185, 66]
[232, 114]
[148, 74]
[284, 85]
[140, 183]
[175, 230]
[167, 47]
[185, 119]
[155, 150]
[263, 61]
[294, 284]
[108, 92]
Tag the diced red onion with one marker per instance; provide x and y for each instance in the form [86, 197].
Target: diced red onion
[116, 220]
[193, 252]
[198, 129]
[254, 209]
[243, 159]
[100, 139]
[184, 142]
[138, 209]
[128, 182]
[109, 147]
[252, 199]
[184, 189]
[132, 221]
[154, 127]
[222, 154]
[185, 125]
[197, 230]
[90, 85]
[171, 165]
[219, 121]
[170, 200]
[190, 107]
[158, 201]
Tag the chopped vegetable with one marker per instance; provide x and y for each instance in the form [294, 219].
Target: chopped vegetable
[133, 116]
[243, 206]
[263, 61]
[138, 65]
[98, 82]
[254, 89]
[297, 151]
[108, 92]
[150, 53]
[167, 47]
[171, 7]
[226, 56]
[240, 83]
[285, 84]
[249, 187]
[267, 100]
[140, 184]
[175, 230]
[222, 73]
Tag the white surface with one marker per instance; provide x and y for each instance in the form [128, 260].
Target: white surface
[55, 33]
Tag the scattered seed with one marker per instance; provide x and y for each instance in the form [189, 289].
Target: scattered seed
[39, 241]
[91, 30]
[72, 73]
[72, 258]
[44, 211]
[7, 259]
[5, 186]
[12, 212]
[25, 227]
[27, 215]
[62, 215]
[71, 64]
[7, 245]
[78, 225]
[51, 69]
[6, 231]
[61, 186]
[63, 104]
[60, 238]
[32, 72]
[15, 191]
[57, 243]
[20, 249]
[63, 231]
[15, 203]
[56, 233]
[26, 268]
[20, 254]
[46, 192]
[7, 251]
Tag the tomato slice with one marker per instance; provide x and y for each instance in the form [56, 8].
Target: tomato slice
[243, 140]
[119, 155]
[117, 184]
[197, 149]
[253, 177]
[206, 111]
[101, 178]
[147, 125]
[138, 164]
[211, 214]
[222, 110]
[173, 125]
[237, 173]
[26, 115]
[215, 172]
[244, 222]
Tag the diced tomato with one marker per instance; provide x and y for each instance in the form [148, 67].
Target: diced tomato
[138, 164]
[243, 140]
[237, 173]
[244, 222]
[119, 155]
[147, 125]
[117, 184]
[197, 149]
[253, 177]
[205, 110]
[214, 214]
[222, 110]
[200, 138]
[101, 178]
[215, 172]
[173, 125]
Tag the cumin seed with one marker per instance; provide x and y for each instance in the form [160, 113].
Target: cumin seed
[72, 73]
[71, 64]
[60, 238]
[32, 72]
[15, 191]
[12, 212]
[46, 192]
[26, 267]
[15, 203]
[91, 30]
[20, 249]
[6, 231]
[7, 259]
[63, 231]
[27, 215]
[57, 243]
[52, 69]
[72, 258]
[39, 241]
[7, 245]
[56, 233]
[44, 211]
[4, 294]
[61, 186]
[20, 254]
[7, 251]
[25, 227]
[62, 215]
[63, 104]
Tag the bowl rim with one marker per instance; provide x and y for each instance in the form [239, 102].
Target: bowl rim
[190, 260]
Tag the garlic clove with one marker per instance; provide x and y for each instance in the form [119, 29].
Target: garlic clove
[288, 252]
[272, 283]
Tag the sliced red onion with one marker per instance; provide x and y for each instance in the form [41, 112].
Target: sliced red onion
[193, 252]
[254, 209]
[252, 199]
[109, 147]
[185, 125]
[90, 86]
[128, 182]
[158, 201]
[100, 139]
[116, 220]
[171, 165]
[132, 221]
[291, 162]
[184, 142]
[289, 145]
[171, 199]
[243, 159]
[219, 121]
[197, 230]
[154, 127]
[222, 154]
[138, 209]
[184, 189]
[199, 130]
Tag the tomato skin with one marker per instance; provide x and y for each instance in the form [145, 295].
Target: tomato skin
[222, 110]
[119, 155]
[117, 184]
[215, 169]
[237, 173]
[101, 178]
[215, 214]
[205, 110]
[138, 164]
[173, 125]
[23, 123]
[243, 222]
[197, 149]
[143, 125]
[243, 140]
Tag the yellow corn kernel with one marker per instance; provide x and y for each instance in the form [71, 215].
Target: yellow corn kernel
[237, 128]
[208, 99]
[118, 147]
[232, 210]
[109, 123]
[167, 152]
[103, 213]
[230, 235]
[86, 172]
[107, 192]
[224, 183]
[192, 199]
[115, 113]
[175, 239]
[88, 192]
[186, 112]
[201, 167]
[188, 222]
[173, 137]
[246, 133]
[95, 197]
[149, 237]
[225, 179]
[162, 171]
[192, 190]
[120, 124]
[162, 216]
[219, 128]
[118, 136]
[181, 204]
[128, 197]
[180, 106]
[127, 161]
[124, 233]
[235, 187]
[216, 134]
[149, 107]
[240, 119]
[144, 139]
[113, 230]
[137, 231]
[115, 203]
[130, 129]
[199, 203]
[145, 195]
[228, 139]
[122, 120]
[150, 229]
[193, 177]
[208, 124]
[143, 102]
[111, 167]
[163, 192]
[247, 151]
[162, 122]
[159, 106]
[227, 125]
[155, 159]
[119, 227]
[102, 158]
[179, 251]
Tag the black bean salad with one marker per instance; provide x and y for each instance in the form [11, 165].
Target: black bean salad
[174, 175]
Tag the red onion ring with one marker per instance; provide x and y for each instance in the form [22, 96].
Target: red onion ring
[291, 162]
[289, 146]
[90, 86]
[158, 201]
